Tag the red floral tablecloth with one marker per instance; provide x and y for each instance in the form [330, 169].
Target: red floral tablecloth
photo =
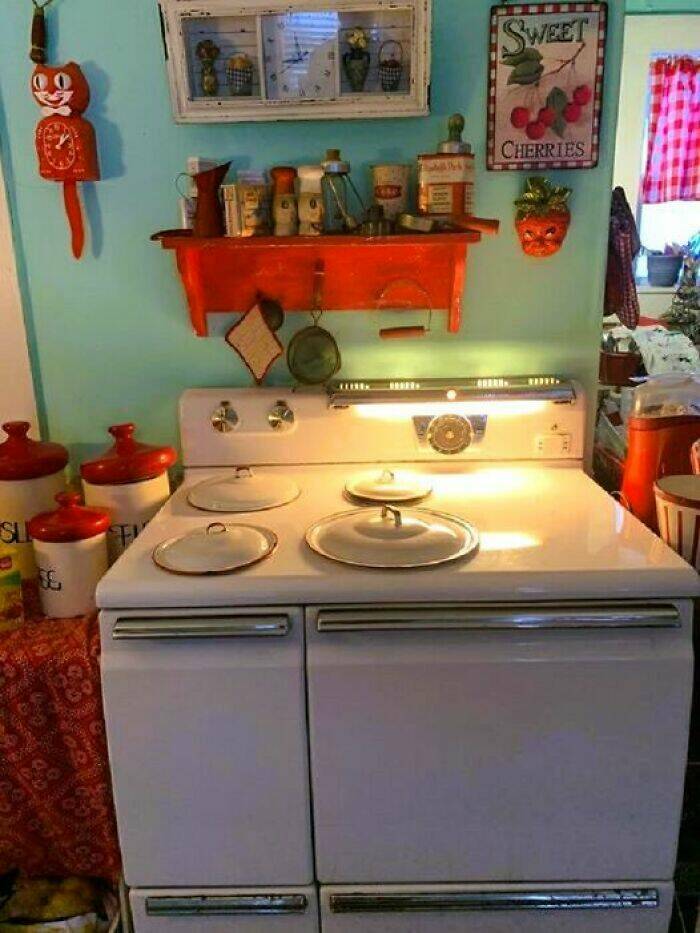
[56, 810]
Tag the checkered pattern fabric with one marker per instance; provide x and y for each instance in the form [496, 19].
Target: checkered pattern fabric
[673, 148]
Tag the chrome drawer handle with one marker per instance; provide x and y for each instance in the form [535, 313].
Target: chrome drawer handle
[493, 617]
[428, 901]
[226, 905]
[153, 627]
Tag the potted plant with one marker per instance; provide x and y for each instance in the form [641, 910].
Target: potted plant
[356, 59]
[542, 216]
[663, 267]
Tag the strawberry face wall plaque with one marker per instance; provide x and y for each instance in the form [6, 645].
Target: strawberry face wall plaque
[65, 141]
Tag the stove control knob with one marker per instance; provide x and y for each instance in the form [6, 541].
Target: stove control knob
[281, 416]
[224, 418]
[450, 434]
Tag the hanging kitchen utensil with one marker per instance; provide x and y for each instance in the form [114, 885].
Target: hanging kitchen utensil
[272, 311]
[216, 549]
[254, 341]
[389, 538]
[313, 356]
[394, 296]
[388, 486]
[243, 491]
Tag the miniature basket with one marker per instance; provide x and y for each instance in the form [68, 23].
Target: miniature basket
[391, 67]
[239, 76]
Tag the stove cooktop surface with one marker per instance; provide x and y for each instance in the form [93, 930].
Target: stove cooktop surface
[546, 531]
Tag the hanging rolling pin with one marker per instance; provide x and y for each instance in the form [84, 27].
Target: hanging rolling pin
[384, 301]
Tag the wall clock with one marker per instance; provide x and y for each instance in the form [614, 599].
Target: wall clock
[303, 59]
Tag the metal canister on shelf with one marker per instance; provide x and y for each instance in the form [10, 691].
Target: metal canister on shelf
[446, 177]
[70, 544]
[130, 479]
[284, 200]
[310, 200]
[254, 197]
[31, 473]
[232, 209]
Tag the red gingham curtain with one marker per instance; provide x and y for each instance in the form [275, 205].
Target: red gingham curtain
[672, 170]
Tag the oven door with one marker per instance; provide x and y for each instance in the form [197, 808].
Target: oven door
[287, 910]
[500, 742]
[206, 725]
[623, 908]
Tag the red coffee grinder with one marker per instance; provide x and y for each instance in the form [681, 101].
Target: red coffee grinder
[664, 424]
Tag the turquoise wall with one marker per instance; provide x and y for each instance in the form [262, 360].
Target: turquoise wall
[662, 6]
[109, 335]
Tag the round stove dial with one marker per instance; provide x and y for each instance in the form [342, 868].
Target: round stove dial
[449, 434]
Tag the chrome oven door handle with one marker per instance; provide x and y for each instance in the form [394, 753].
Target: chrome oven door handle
[495, 617]
[433, 901]
[217, 905]
[183, 627]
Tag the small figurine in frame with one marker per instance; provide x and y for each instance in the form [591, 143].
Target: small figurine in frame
[545, 85]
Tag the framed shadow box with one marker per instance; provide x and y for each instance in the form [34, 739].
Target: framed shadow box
[232, 61]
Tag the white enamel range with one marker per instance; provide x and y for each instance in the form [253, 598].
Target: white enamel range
[496, 743]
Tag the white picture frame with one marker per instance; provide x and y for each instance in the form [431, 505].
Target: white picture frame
[236, 26]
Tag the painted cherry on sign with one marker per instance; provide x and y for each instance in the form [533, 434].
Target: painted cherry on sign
[65, 141]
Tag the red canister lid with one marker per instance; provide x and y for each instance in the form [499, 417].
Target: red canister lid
[23, 458]
[71, 521]
[127, 460]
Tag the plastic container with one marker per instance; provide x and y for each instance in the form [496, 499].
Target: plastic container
[31, 473]
[130, 479]
[70, 545]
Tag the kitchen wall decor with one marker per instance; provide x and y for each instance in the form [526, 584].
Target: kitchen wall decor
[542, 217]
[300, 59]
[65, 141]
[254, 340]
[545, 85]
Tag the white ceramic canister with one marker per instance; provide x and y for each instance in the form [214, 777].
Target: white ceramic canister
[130, 479]
[310, 200]
[70, 545]
[31, 473]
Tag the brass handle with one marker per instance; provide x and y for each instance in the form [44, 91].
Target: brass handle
[389, 510]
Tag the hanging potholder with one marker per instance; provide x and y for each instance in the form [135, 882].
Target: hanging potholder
[254, 342]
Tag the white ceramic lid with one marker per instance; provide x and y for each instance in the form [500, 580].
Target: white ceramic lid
[391, 538]
[217, 548]
[243, 491]
[388, 486]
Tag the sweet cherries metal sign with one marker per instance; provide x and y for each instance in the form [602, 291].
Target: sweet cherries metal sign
[545, 85]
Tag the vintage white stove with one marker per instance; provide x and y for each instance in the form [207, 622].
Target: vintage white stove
[496, 743]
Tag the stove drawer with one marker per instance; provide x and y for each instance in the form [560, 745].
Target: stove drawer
[207, 910]
[465, 743]
[610, 908]
[206, 725]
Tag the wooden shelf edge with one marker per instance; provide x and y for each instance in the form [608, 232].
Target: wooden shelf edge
[173, 241]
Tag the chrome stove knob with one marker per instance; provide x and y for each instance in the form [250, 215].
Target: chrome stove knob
[224, 418]
[281, 416]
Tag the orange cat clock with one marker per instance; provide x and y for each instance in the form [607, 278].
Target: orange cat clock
[65, 140]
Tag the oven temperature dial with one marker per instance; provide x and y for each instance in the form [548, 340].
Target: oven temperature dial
[450, 434]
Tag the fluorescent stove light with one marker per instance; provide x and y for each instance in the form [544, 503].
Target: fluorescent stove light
[345, 392]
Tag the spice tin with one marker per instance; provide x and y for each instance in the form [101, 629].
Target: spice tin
[232, 209]
[390, 188]
[446, 177]
[254, 197]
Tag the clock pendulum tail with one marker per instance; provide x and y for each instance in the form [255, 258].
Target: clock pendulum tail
[74, 213]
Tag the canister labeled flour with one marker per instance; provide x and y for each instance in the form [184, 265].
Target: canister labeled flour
[130, 479]
[31, 473]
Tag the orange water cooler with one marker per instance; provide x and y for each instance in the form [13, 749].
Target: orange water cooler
[664, 424]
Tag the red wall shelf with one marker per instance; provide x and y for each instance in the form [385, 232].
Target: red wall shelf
[227, 274]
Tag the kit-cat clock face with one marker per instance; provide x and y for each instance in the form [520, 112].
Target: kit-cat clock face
[61, 90]
[58, 144]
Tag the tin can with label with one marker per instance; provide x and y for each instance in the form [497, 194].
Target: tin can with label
[446, 183]
[390, 188]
